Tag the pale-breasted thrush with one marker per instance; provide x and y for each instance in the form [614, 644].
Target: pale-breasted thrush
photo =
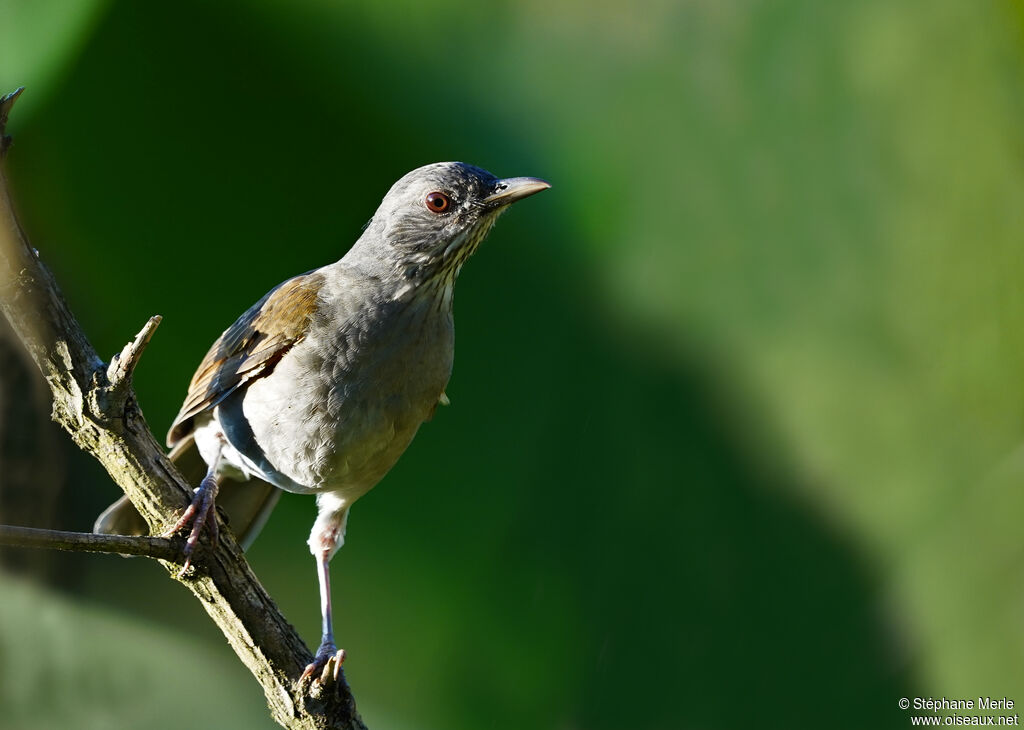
[320, 386]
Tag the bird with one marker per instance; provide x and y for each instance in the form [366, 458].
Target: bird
[320, 386]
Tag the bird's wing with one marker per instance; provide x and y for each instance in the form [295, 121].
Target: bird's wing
[250, 348]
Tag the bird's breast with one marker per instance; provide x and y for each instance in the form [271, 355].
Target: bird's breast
[342, 405]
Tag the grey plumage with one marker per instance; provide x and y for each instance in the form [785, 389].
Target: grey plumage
[320, 386]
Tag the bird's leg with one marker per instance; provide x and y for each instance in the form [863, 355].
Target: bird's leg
[328, 535]
[326, 665]
[200, 512]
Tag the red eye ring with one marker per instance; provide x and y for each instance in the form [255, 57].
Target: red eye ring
[438, 202]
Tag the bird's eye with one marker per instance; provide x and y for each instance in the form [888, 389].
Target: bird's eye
[438, 202]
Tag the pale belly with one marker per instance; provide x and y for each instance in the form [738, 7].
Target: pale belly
[312, 427]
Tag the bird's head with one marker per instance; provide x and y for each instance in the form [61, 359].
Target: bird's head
[434, 218]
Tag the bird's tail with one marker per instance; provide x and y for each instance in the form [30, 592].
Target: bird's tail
[247, 505]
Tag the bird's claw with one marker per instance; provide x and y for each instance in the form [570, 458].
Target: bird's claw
[325, 667]
[200, 513]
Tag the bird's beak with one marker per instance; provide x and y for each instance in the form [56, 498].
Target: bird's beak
[512, 189]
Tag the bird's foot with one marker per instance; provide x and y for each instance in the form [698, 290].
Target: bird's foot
[326, 665]
[201, 512]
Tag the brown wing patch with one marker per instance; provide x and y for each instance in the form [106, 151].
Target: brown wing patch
[250, 347]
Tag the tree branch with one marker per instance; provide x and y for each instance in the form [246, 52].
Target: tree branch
[119, 374]
[161, 548]
[97, 406]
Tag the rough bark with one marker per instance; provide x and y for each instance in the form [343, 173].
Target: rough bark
[95, 403]
[33, 454]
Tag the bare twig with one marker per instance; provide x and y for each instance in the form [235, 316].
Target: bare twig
[6, 102]
[121, 367]
[161, 548]
[96, 405]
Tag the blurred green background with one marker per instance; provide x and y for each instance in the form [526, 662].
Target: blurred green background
[738, 406]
